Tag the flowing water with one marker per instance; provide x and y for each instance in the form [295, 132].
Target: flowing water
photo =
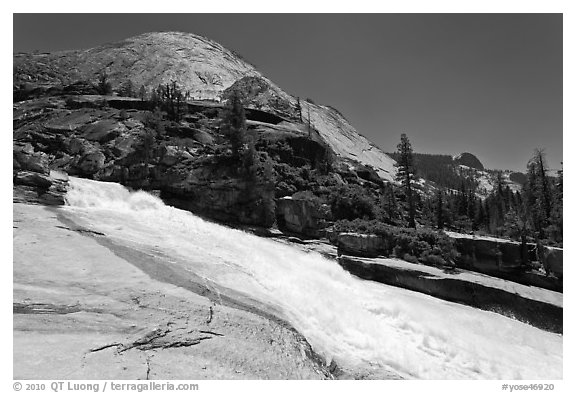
[344, 318]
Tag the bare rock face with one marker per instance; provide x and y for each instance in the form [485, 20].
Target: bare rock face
[200, 66]
[489, 256]
[553, 261]
[26, 158]
[473, 289]
[69, 128]
[262, 95]
[301, 216]
[34, 187]
[111, 144]
[85, 308]
[508, 259]
[469, 160]
[33, 181]
[359, 244]
[208, 191]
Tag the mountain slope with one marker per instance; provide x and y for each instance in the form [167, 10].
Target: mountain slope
[200, 66]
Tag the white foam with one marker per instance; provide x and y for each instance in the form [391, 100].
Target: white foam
[343, 317]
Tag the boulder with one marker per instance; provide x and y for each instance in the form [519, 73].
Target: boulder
[170, 155]
[301, 216]
[359, 244]
[92, 162]
[63, 162]
[27, 159]
[76, 146]
[33, 179]
[103, 131]
[124, 146]
[34, 187]
[553, 261]
[488, 255]
[202, 137]
[59, 175]
[67, 122]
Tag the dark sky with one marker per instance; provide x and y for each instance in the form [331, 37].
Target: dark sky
[490, 84]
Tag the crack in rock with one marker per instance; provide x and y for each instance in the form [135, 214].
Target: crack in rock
[81, 230]
[44, 308]
[104, 347]
[161, 338]
[210, 332]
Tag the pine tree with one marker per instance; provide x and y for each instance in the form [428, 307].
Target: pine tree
[471, 209]
[142, 93]
[405, 175]
[309, 124]
[439, 210]
[104, 86]
[299, 108]
[154, 98]
[544, 188]
[127, 89]
[171, 98]
[556, 217]
[480, 218]
[234, 123]
[389, 205]
[537, 192]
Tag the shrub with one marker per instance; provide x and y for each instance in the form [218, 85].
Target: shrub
[429, 258]
[352, 201]
[423, 245]
[154, 121]
[124, 115]
[308, 196]
[104, 87]
[410, 258]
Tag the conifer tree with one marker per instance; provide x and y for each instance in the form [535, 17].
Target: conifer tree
[299, 108]
[104, 86]
[439, 210]
[538, 194]
[309, 124]
[543, 185]
[142, 93]
[127, 89]
[234, 123]
[405, 175]
[389, 204]
[171, 98]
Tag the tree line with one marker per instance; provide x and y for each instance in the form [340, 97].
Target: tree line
[534, 212]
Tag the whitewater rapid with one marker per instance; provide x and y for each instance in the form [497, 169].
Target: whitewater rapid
[344, 318]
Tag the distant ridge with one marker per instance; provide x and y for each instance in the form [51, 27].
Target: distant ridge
[469, 160]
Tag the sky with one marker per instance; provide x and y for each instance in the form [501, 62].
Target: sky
[489, 84]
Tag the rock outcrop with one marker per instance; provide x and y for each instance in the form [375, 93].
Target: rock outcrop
[553, 262]
[33, 181]
[360, 244]
[515, 300]
[469, 160]
[510, 260]
[302, 216]
[201, 67]
[87, 308]
[112, 144]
